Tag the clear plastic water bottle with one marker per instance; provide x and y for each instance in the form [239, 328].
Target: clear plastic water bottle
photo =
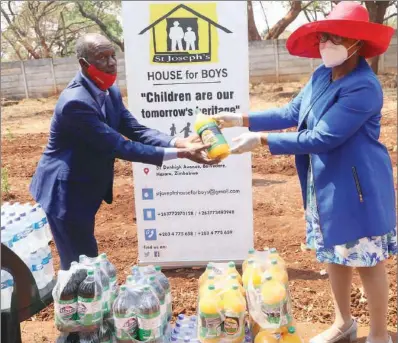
[25, 234]
[7, 235]
[136, 274]
[38, 233]
[48, 265]
[7, 287]
[36, 267]
[11, 215]
[47, 230]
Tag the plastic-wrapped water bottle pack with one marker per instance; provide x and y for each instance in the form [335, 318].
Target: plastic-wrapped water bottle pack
[25, 230]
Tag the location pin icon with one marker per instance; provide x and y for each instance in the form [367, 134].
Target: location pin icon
[146, 171]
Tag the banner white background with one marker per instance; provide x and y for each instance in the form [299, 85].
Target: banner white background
[188, 214]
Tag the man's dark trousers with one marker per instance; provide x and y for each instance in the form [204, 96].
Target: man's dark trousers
[73, 238]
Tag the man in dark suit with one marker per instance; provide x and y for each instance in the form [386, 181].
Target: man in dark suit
[75, 172]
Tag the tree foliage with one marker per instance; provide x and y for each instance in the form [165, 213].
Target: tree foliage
[42, 29]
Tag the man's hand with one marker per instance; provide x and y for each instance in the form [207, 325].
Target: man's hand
[229, 119]
[197, 154]
[247, 142]
[192, 141]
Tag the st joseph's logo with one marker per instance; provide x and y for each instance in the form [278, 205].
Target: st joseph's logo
[186, 33]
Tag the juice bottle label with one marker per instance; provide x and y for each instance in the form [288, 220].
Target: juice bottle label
[277, 313]
[210, 325]
[126, 326]
[233, 324]
[89, 310]
[211, 134]
[149, 327]
[65, 310]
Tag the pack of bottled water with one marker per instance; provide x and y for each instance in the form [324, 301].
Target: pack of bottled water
[25, 231]
[185, 330]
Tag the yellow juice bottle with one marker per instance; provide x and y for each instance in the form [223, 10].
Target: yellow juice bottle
[266, 336]
[252, 274]
[203, 277]
[251, 255]
[206, 127]
[205, 286]
[234, 306]
[232, 271]
[291, 336]
[233, 280]
[274, 298]
[210, 317]
[274, 255]
[278, 272]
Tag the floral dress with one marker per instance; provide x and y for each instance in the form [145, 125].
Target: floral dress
[365, 252]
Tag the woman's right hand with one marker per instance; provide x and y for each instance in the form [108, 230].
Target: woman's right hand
[229, 119]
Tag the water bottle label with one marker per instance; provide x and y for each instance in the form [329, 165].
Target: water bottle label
[126, 326]
[23, 234]
[39, 224]
[37, 267]
[46, 260]
[7, 283]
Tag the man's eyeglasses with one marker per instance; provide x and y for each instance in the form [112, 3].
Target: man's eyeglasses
[324, 37]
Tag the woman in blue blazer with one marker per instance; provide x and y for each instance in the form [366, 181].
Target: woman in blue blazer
[345, 172]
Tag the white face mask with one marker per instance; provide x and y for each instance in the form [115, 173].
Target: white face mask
[334, 55]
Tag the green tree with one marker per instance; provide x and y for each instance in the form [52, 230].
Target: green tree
[42, 29]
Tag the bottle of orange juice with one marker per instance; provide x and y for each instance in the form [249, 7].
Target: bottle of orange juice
[274, 255]
[209, 132]
[291, 336]
[274, 298]
[232, 271]
[205, 286]
[252, 273]
[234, 306]
[278, 272]
[251, 255]
[233, 280]
[210, 317]
[203, 277]
[266, 336]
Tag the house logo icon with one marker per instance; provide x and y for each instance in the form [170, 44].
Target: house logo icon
[184, 33]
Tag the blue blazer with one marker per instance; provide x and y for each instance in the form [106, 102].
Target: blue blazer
[352, 170]
[75, 172]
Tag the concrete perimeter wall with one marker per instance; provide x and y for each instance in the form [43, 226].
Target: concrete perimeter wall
[268, 61]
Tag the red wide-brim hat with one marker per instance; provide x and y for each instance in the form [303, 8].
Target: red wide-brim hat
[347, 19]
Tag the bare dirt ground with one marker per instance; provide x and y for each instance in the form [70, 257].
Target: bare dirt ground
[278, 214]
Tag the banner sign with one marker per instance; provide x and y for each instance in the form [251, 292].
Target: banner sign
[183, 56]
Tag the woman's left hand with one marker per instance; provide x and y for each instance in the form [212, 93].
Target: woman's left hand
[247, 142]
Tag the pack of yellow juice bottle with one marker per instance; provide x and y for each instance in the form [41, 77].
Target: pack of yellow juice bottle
[260, 296]
[221, 284]
[209, 132]
[234, 311]
[210, 316]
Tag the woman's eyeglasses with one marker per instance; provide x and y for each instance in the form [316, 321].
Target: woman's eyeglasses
[324, 37]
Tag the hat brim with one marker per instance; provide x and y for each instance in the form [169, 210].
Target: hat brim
[376, 38]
